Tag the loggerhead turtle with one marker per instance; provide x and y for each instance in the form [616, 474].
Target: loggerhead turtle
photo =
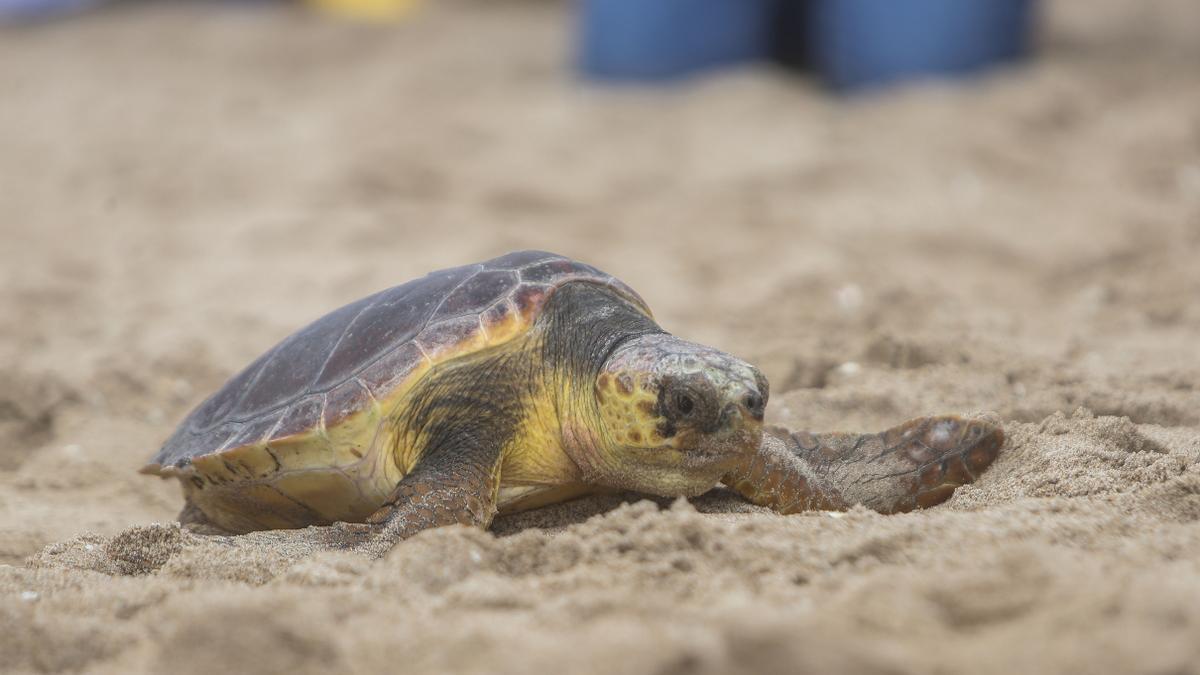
[521, 381]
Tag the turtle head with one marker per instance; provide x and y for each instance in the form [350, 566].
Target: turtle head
[673, 416]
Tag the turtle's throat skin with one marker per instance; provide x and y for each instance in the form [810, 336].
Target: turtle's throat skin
[556, 436]
[581, 328]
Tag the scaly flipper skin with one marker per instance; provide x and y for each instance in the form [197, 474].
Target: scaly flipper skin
[462, 494]
[917, 464]
[455, 487]
[459, 490]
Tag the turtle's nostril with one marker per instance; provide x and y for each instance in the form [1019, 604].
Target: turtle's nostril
[754, 404]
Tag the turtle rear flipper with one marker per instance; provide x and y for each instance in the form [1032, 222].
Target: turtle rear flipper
[917, 464]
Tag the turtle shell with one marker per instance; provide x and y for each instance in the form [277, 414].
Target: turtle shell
[362, 354]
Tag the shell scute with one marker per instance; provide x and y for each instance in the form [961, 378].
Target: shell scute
[254, 460]
[294, 362]
[247, 433]
[300, 417]
[390, 370]
[476, 293]
[451, 337]
[216, 408]
[395, 317]
[528, 300]
[345, 400]
[500, 322]
[518, 259]
[546, 272]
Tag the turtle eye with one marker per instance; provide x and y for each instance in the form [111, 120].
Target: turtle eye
[687, 401]
[684, 404]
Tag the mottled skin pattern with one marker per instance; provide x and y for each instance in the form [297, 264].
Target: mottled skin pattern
[668, 404]
[521, 381]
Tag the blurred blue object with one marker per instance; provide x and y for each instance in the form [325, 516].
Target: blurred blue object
[17, 11]
[861, 43]
[663, 39]
[790, 29]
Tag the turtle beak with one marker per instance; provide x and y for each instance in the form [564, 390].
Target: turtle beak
[747, 404]
[745, 401]
[739, 431]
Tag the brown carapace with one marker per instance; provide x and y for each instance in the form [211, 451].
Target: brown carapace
[521, 381]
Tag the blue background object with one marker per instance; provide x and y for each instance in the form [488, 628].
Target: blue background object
[14, 11]
[660, 39]
[790, 30]
[858, 43]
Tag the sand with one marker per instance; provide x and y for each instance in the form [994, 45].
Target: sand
[181, 185]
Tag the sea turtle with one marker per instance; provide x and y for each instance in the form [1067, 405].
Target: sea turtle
[521, 381]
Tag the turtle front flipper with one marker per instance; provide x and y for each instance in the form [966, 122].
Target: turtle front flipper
[914, 465]
[449, 488]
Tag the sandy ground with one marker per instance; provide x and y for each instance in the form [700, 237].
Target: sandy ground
[183, 185]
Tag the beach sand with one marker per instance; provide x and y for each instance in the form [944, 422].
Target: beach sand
[182, 185]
